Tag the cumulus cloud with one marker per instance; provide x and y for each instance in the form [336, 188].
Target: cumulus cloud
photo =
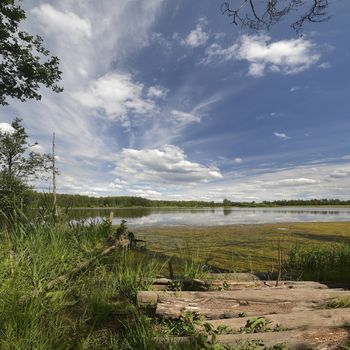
[6, 128]
[285, 56]
[117, 95]
[281, 135]
[167, 164]
[64, 22]
[238, 160]
[198, 36]
[146, 193]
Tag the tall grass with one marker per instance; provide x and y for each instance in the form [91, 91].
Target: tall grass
[323, 263]
[82, 312]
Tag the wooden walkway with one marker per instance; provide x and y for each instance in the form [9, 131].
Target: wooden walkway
[302, 315]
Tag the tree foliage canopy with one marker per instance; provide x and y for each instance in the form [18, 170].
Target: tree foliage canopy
[25, 64]
[257, 14]
[19, 164]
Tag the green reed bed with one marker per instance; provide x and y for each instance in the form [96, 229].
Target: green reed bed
[322, 263]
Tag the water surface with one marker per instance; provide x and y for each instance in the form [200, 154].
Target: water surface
[215, 217]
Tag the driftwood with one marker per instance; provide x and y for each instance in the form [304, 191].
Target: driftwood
[317, 339]
[79, 269]
[268, 295]
[331, 318]
[230, 304]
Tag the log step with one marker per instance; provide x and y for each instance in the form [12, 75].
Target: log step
[258, 295]
[230, 304]
[317, 339]
[329, 318]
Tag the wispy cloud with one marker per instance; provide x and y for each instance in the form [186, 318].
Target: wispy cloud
[62, 22]
[281, 135]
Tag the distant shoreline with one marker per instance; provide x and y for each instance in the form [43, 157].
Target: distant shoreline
[216, 207]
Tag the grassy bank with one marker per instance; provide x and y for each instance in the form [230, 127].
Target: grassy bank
[89, 311]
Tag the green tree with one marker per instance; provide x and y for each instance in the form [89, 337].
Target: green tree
[25, 65]
[19, 166]
[226, 203]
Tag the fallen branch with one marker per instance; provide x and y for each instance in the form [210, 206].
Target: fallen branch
[79, 269]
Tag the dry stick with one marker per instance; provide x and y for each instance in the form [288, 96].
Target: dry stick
[81, 267]
[171, 271]
[279, 262]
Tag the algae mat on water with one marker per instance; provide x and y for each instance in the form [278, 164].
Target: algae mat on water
[242, 247]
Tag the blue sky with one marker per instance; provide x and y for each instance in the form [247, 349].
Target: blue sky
[169, 100]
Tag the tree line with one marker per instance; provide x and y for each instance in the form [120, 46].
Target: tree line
[84, 201]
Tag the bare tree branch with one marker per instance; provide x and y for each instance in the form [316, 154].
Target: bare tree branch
[263, 15]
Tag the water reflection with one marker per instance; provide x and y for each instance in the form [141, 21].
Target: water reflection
[213, 217]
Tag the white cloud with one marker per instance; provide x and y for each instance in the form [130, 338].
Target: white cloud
[324, 65]
[184, 118]
[301, 181]
[157, 92]
[294, 88]
[281, 135]
[6, 128]
[145, 193]
[63, 22]
[40, 149]
[285, 56]
[238, 160]
[167, 164]
[197, 37]
[339, 174]
[117, 95]
[304, 182]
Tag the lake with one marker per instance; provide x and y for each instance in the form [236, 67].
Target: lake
[140, 217]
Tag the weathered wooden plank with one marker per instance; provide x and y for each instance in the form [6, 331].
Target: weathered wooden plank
[329, 318]
[268, 295]
[317, 339]
[230, 304]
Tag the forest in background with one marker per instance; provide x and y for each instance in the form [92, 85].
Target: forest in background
[83, 201]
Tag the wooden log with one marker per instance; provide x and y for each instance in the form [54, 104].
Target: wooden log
[175, 311]
[330, 318]
[230, 304]
[317, 339]
[79, 268]
[268, 295]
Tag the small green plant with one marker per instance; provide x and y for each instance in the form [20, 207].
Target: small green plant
[176, 285]
[224, 286]
[338, 303]
[255, 325]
